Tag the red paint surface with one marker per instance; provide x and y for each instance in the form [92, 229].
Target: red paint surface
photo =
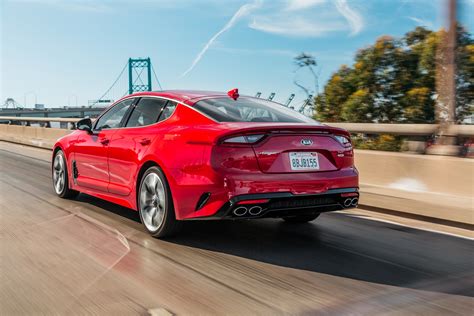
[188, 148]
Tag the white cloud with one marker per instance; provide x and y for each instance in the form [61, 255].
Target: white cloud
[308, 18]
[421, 22]
[295, 18]
[243, 11]
[353, 17]
[296, 26]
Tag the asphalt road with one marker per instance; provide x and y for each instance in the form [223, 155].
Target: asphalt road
[88, 256]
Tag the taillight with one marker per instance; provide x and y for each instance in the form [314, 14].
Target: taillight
[243, 139]
[344, 140]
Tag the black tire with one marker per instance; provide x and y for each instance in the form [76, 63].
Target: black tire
[64, 192]
[301, 218]
[169, 225]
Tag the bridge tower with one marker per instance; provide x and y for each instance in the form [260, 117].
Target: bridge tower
[137, 79]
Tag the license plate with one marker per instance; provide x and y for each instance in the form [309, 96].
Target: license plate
[304, 161]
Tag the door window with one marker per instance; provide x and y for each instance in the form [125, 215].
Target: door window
[168, 110]
[146, 112]
[113, 117]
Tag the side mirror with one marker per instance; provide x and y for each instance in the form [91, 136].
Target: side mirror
[85, 125]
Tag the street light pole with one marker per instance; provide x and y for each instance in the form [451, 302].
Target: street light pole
[28, 93]
[69, 99]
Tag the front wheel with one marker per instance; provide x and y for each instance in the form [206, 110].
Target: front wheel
[155, 204]
[301, 218]
[60, 177]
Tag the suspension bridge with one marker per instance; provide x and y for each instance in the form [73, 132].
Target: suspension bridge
[136, 75]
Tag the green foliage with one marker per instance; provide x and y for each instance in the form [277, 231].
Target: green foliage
[393, 81]
[380, 142]
[357, 107]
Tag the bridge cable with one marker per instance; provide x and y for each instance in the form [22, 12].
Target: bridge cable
[113, 84]
[156, 77]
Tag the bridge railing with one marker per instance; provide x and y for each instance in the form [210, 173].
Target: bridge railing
[366, 128]
[71, 122]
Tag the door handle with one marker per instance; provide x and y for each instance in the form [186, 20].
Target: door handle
[145, 141]
[105, 141]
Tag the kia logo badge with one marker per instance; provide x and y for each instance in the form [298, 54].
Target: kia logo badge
[306, 142]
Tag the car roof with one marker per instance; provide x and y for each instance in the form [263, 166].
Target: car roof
[185, 96]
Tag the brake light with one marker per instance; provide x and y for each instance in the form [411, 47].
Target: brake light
[343, 140]
[244, 139]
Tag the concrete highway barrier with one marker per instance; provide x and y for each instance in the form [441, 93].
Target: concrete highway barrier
[429, 186]
[32, 136]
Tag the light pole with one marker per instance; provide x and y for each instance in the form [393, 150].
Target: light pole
[69, 99]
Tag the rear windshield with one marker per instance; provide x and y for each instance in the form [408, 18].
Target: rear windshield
[249, 110]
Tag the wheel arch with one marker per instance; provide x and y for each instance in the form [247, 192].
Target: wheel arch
[144, 167]
[56, 148]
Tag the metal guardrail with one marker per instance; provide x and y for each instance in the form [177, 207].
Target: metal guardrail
[366, 128]
[405, 129]
[395, 129]
[39, 119]
[71, 122]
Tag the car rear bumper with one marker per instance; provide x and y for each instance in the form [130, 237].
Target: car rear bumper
[284, 204]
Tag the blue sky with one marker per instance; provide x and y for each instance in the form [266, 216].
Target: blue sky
[57, 51]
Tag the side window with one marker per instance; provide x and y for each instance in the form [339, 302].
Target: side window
[146, 112]
[168, 110]
[113, 117]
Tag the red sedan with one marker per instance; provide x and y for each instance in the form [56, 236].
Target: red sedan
[188, 155]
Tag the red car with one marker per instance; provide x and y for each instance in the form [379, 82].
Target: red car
[193, 155]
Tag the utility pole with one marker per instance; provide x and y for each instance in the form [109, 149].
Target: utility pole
[446, 86]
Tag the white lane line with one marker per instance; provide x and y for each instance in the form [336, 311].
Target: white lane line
[410, 226]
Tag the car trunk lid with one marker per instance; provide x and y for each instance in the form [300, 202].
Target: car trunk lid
[296, 148]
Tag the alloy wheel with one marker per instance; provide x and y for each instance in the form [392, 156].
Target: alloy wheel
[59, 174]
[152, 201]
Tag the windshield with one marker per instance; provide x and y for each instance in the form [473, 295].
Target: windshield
[249, 110]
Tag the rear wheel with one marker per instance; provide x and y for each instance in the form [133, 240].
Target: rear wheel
[61, 178]
[155, 204]
[301, 218]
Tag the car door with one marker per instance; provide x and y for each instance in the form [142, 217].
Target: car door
[129, 144]
[91, 150]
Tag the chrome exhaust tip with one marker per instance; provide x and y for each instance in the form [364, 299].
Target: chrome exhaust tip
[255, 210]
[347, 202]
[355, 201]
[240, 211]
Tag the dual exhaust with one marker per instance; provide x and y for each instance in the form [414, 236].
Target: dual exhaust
[257, 210]
[252, 211]
[351, 202]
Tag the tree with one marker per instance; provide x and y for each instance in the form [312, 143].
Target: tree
[393, 80]
[465, 74]
[307, 61]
